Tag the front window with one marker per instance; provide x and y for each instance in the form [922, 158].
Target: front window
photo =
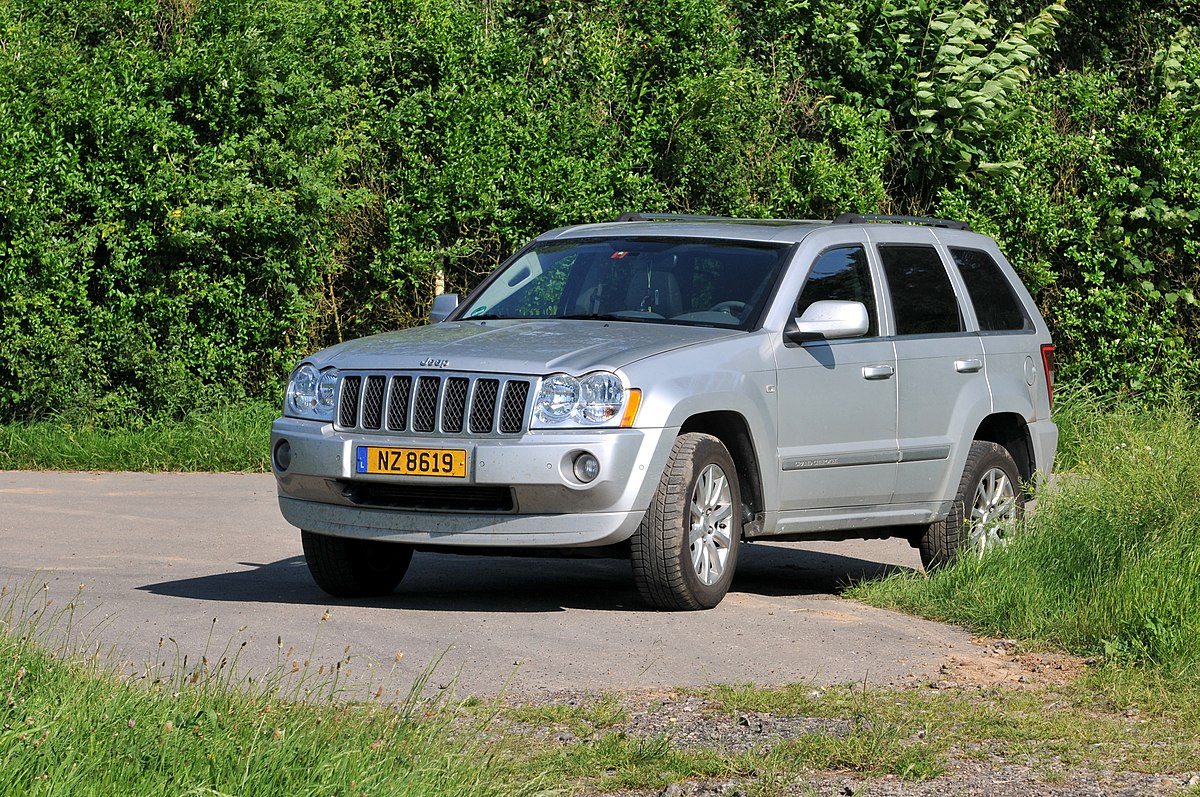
[680, 281]
[842, 274]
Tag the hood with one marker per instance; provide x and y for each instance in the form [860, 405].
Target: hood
[533, 347]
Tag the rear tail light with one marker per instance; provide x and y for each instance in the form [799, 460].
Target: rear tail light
[1048, 365]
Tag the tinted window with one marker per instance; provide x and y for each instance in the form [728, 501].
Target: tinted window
[684, 281]
[996, 305]
[923, 299]
[841, 274]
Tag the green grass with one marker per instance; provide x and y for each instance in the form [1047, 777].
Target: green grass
[916, 733]
[234, 438]
[1108, 565]
[71, 726]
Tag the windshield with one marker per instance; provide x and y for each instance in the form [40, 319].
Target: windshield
[681, 281]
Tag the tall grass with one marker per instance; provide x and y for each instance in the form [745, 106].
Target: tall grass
[1109, 564]
[232, 438]
[70, 725]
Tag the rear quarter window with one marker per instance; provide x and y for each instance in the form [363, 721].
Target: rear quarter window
[997, 307]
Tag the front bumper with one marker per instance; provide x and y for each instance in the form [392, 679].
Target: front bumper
[319, 489]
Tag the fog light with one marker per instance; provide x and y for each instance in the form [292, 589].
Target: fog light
[586, 467]
[283, 456]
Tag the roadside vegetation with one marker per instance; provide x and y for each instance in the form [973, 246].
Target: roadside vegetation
[233, 438]
[193, 195]
[72, 725]
[1108, 566]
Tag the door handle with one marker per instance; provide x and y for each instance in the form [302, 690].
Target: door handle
[970, 365]
[877, 371]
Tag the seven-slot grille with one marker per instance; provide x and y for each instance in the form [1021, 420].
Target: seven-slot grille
[433, 404]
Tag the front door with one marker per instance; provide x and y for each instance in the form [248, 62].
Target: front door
[837, 400]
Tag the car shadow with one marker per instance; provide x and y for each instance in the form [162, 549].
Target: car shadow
[470, 583]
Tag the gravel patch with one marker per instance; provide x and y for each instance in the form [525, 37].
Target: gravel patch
[691, 722]
[967, 780]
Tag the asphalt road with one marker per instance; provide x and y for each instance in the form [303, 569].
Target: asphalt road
[205, 563]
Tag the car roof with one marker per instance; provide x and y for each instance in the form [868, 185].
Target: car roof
[743, 229]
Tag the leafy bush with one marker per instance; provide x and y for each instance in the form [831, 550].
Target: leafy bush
[1104, 219]
[192, 195]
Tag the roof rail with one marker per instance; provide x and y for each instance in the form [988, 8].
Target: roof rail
[928, 221]
[667, 217]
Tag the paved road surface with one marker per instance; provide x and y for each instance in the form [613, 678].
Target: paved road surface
[163, 555]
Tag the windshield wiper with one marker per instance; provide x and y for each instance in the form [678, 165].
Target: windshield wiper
[607, 317]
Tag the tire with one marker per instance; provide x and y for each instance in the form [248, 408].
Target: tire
[353, 568]
[685, 551]
[986, 511]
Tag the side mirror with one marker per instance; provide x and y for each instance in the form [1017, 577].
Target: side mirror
[443, 305]
[829, 319]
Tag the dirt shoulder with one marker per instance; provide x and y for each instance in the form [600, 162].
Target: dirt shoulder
[992, 673]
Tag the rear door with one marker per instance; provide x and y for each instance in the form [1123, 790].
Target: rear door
[941, 383]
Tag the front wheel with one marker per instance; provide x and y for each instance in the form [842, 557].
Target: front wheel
[986, 511]
[352, 568]
[685, 551]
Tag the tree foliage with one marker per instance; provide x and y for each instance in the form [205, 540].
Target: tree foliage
[194, 193]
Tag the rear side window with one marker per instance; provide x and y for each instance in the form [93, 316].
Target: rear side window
[923, 299]
[996, 304]
[841, 273]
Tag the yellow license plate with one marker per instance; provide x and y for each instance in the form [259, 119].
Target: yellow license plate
[412, 461]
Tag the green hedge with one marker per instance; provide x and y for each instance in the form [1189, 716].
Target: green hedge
[193, 193]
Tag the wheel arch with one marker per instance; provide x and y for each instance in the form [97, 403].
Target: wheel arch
[733, 431]
[1010, 430]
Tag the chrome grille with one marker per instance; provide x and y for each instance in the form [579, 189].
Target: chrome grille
[348, 410]
[512, 410]
[455, 406]
[383, 402]
[372, 403]
[483, 408]
[425, 407]
[397, 419]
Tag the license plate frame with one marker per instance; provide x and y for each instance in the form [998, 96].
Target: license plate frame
[411, 461]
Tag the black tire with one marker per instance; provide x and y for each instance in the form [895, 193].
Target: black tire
[667, 575]
[353, 568]
[987, 508]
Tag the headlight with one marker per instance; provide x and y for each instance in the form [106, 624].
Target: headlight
[557, 399]
[601, 396]
[591, 400]
[311, 393]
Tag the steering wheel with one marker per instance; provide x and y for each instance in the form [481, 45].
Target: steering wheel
[732, 307]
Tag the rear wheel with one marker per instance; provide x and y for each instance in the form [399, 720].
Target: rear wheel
[353, 568]
[685, 551]
[986, 511]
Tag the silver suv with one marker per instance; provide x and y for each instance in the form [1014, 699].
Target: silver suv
[667, 388]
